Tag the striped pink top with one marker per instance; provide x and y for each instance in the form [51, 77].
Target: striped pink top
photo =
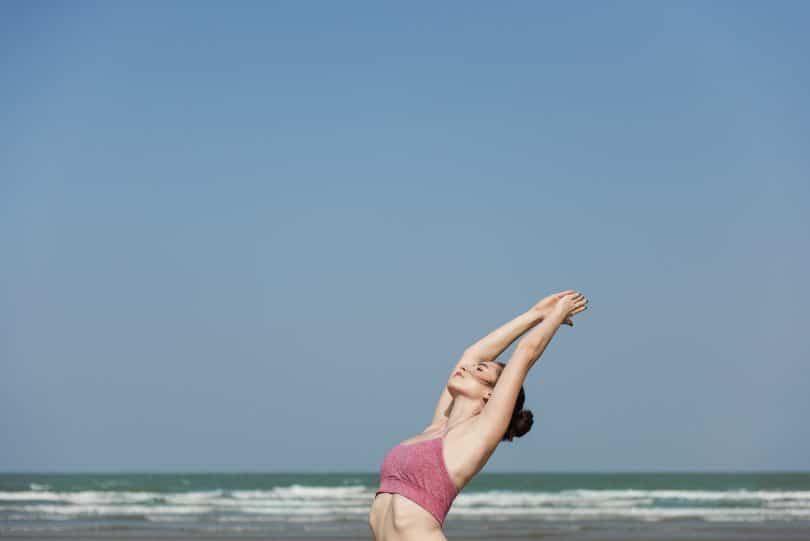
[418, 472]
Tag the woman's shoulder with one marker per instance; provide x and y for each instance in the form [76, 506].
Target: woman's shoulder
[467, 451]
[434, 427]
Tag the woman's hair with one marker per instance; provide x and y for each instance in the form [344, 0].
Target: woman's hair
[522, 419]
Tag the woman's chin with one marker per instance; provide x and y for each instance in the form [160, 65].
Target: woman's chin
[456, 389]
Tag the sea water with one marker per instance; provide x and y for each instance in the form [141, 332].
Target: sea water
[337, 504]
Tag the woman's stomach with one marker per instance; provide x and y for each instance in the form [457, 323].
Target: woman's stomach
[393, 517]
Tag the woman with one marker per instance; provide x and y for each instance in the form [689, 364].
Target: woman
[480, 406]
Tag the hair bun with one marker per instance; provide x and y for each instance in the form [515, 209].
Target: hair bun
[521, 423]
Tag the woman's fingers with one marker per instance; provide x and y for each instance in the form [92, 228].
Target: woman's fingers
[578, 299]
[575, 303]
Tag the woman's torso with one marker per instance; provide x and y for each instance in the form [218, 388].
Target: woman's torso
[393, 517]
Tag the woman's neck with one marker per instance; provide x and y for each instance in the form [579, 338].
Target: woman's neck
[461, 409]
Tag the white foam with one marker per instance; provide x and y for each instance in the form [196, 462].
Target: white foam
[117, 510]
[730, 514]
[503, 498]
[302, 503]
[302, 492]
[80, 497]
[193, 497]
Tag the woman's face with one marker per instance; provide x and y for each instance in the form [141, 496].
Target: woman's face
[475, 379]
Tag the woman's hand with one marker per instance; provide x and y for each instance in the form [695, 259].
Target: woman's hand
[546, 305]
[569, 304]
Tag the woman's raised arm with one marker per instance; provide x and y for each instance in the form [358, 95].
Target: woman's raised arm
[492, 345]
[495, 417]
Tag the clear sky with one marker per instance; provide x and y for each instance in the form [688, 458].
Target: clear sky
[257, 235]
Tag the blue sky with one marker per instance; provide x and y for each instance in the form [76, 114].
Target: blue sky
[257, 236]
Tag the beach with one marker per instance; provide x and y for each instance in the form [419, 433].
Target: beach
[651, 533]
[334, 506]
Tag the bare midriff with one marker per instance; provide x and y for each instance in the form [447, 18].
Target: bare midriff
[393, 517]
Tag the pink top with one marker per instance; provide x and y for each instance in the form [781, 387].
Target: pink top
[418, 472]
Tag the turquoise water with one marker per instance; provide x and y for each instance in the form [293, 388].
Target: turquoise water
[338, 504]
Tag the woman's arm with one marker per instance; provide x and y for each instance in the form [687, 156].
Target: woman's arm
[493, 344]
[489, 347]
[497, 413]
[445, 399]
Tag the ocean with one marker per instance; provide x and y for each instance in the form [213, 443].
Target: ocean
[336, 505]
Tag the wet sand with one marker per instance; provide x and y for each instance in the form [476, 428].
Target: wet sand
[639, 533]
